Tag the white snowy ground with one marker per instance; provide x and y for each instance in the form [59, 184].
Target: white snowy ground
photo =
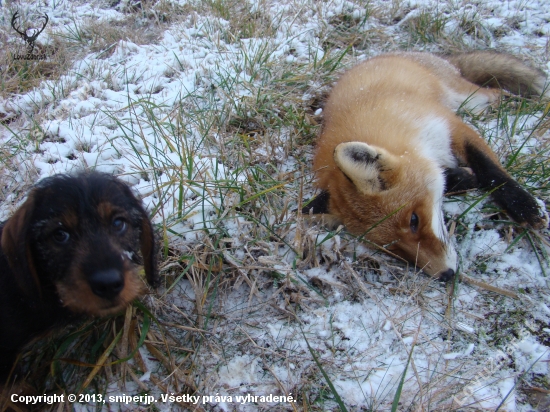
[140, 108]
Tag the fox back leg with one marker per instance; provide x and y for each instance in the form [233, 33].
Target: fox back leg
[460, 179]
[520, 205]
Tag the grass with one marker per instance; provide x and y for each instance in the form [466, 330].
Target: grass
[69, 43]
[426, 27]
[229, 162]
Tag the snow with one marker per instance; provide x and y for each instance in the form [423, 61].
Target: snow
[99, 115]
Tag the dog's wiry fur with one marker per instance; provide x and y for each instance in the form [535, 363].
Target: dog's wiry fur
[391, 145]
[73, 248]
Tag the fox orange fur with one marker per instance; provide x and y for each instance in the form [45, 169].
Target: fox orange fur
[391, 145]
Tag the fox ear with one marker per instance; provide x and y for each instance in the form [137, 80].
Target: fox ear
[368, 167]
[318, 205]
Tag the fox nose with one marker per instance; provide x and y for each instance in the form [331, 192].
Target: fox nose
[447, 275]
[107, 284]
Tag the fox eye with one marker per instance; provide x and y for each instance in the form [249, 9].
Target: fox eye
[119, 225]
[414, 222]
[61, 236]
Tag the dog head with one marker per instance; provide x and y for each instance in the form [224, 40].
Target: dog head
[81, 235]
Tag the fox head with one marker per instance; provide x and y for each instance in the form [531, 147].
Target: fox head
[393, 201]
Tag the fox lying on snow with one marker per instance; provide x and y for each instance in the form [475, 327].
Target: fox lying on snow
[391, 145]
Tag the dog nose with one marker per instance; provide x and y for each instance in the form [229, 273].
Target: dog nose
[107, 284]
[447, 275]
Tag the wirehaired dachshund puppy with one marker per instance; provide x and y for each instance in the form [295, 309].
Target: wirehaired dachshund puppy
[73, 248]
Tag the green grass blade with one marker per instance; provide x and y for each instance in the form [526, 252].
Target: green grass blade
[327, 379]
[397, 395]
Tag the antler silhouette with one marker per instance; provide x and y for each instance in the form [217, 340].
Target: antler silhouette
[29, 39]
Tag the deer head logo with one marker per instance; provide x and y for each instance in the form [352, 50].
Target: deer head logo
[30, 34]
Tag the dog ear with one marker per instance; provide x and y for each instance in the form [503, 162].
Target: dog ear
[148, 250]
[147, 235]
[16, 246]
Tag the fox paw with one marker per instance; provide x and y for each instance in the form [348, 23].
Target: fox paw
[521, 206]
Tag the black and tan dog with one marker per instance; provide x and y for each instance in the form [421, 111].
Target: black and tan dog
[72, 249]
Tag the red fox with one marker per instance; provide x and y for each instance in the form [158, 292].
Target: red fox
[391, 145]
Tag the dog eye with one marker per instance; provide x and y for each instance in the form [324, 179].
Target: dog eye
[414, 222]
[119, 225]
[61, 236]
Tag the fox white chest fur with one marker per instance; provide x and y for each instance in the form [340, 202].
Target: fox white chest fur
[391, 144]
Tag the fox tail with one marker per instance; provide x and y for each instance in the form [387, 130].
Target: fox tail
[500, 70]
